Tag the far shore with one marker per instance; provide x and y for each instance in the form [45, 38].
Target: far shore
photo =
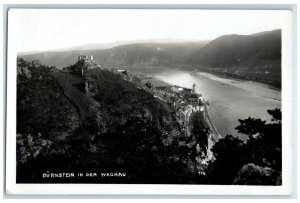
[156, 70]
[270, 92]
[247, 85]
[235, 79]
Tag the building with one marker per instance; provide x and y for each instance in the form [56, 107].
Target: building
[194, 85]
[85, 63]
[124, 71]
[87, 60]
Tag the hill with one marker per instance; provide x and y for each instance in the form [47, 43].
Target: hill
[98, 122]
[124, 55]
[253, 57]
[231, 50]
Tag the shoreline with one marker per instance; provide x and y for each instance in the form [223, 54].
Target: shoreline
[239, 79]
[246, 85]
[258, 89]
[227, 77]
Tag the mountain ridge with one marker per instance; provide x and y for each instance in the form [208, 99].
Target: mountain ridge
[254, 57]
[233, 49]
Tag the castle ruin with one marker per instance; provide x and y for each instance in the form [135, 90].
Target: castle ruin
[85, 63]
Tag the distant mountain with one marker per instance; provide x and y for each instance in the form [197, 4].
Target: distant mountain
[152, 54]
[97, 46]
[254, 57]
[124, 55]
[225, 51]
[231, 50]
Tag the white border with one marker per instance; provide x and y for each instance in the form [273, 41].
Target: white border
[143, 189]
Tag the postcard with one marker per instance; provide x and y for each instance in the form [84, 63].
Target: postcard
[149, 101]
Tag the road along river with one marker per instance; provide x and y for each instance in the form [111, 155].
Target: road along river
[229, 99]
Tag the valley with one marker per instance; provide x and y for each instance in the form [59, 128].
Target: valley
[166, 113]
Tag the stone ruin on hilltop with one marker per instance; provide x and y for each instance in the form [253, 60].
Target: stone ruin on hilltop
[85, 63]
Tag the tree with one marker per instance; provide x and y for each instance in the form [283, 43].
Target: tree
[276, 114]
[199, 131]
[230, 156]
[264, 142]
[251, 174]
[262, 149]
[136, 147]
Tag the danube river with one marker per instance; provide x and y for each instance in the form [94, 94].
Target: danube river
[229, 99]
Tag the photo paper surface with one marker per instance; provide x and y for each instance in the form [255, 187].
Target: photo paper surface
[149, 101]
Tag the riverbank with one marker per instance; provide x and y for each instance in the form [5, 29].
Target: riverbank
[250, 86]
[255, 88]
[238, 79]
[229, 99]
[161, 85]
[272, 80]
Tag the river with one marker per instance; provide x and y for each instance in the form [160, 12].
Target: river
[229, 99]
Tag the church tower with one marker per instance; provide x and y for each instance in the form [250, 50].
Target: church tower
[194, 85]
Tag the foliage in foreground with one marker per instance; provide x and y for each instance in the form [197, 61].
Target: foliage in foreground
[258, 161]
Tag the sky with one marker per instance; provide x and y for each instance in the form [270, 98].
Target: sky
[46, 29]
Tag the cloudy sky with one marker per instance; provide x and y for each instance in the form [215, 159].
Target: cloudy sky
[41, 29]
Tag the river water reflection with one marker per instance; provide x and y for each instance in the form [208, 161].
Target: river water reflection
[229, 99]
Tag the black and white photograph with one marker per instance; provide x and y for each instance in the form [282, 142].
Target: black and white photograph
[150, 96]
